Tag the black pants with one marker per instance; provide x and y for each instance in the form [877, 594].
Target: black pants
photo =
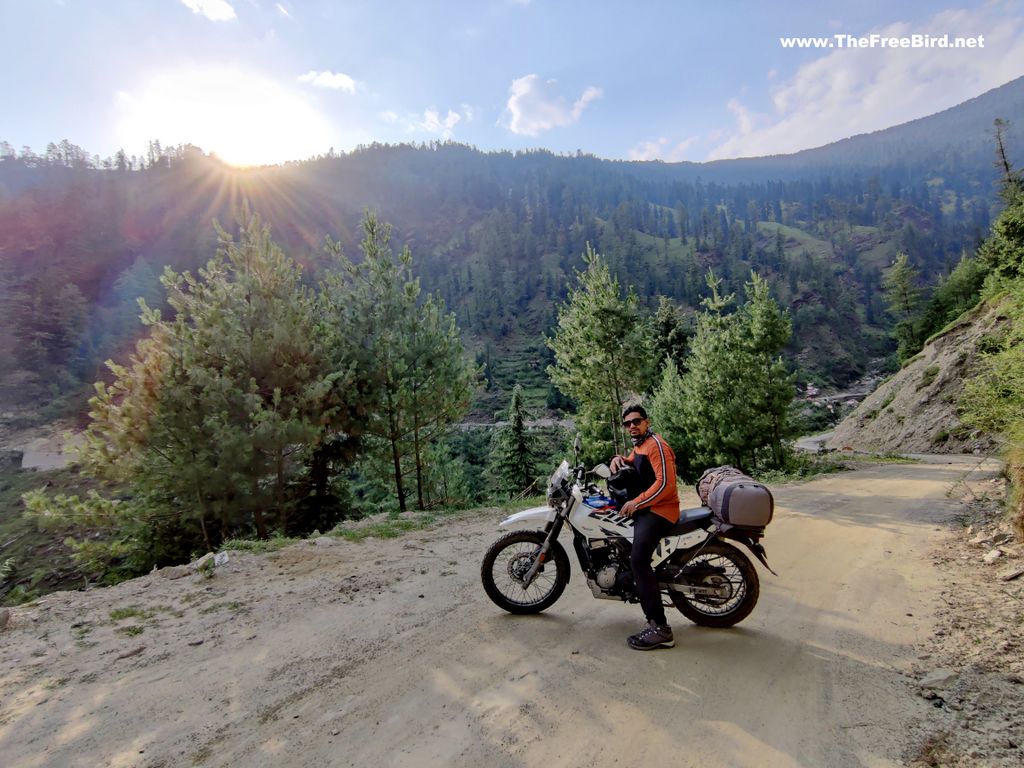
[648, 530]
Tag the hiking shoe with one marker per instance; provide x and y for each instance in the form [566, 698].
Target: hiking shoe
[651, 637]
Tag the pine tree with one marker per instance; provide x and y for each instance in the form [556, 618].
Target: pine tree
[903, 298]
[1002, 252]
[717, 404]
[412, 351]
[513, 461]
[212, 422]
[382, 299]
[671, 330]
[734, 397]
[668, 417]
[441, 380]
[603, 353]
[766, 330]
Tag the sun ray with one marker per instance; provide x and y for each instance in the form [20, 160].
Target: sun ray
[245, 118]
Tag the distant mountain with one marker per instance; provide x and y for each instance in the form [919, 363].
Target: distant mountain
[498, 235]
[964, 132]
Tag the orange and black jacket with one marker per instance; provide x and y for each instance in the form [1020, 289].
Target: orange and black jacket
[654, 457]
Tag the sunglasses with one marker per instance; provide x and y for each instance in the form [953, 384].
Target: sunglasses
[632, 422]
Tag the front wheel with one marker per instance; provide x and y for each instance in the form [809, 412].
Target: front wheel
[506, 564]
[719, 565]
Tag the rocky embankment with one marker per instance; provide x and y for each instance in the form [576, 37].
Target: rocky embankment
[971, 668]
[915, 411]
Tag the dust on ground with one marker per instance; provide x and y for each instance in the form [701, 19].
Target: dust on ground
[388, 653]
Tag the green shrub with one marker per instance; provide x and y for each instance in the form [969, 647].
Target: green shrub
[928, 376]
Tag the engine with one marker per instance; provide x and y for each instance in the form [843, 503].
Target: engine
[610, 575]
[606, 577]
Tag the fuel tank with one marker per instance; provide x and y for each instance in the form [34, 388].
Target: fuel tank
[598, 517]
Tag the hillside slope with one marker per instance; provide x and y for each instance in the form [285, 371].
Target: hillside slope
[915, 411]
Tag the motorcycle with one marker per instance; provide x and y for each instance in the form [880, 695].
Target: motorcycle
[708, 579]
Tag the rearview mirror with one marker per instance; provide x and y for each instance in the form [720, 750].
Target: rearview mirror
[602, 471]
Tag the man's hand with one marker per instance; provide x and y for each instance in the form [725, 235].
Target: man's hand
[628, 508]
[616, 464]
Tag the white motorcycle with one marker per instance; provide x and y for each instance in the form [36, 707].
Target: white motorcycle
[708, 579]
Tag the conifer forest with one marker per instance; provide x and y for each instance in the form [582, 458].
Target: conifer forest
[268, 351]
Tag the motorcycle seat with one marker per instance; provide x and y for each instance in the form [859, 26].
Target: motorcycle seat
[687, 517]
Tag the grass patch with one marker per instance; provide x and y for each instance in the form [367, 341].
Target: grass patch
[991, 344]
[910, 360]
[258, 545]
[807, 466]
[804, 467]
[140, 614]
[884, 458]
[234, 606]
[132, 630]
[130, 612]
[928, 376]
[964, 320]
[395, 525]
[796, 240]
[934, 751]
[386, 529]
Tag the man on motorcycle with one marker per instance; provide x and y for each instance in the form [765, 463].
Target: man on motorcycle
[655, 511]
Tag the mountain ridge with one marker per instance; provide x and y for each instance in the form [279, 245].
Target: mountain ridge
[498, 236]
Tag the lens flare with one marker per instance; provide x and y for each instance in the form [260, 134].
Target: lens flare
[243, 117]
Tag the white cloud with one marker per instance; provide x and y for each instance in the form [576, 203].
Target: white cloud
[334, 80]
[744, 119]
[282, 10]
[214, 10]
[535, 106]
[432, 122]
[662, 149]
[858, 90]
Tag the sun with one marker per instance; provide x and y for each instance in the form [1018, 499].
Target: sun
[244, 117]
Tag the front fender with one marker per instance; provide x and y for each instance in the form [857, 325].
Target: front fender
[545, 513]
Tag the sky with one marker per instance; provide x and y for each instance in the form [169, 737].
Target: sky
[267, 81]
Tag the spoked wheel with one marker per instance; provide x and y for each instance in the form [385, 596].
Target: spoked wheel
[719, 565]
[509, 560]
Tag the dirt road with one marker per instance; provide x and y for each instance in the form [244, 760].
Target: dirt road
[387, 653]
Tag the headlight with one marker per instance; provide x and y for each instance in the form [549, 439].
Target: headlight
[558, 485]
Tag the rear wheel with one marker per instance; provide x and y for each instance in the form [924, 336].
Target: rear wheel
[719, 565]
[508, 561]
